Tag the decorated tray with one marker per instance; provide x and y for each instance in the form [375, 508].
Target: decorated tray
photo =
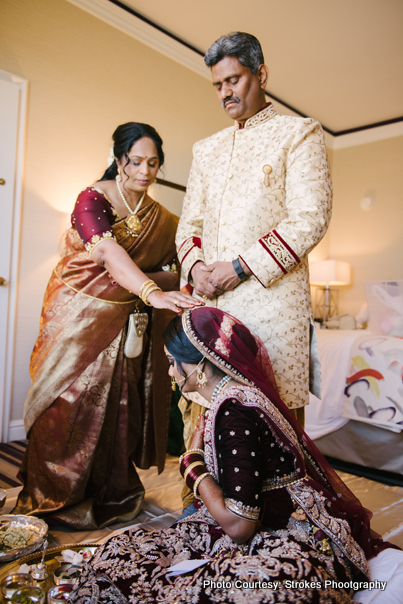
[27, 533]
[53, 560]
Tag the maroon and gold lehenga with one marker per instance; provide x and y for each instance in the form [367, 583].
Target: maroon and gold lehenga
[312, 538]
[91, 413]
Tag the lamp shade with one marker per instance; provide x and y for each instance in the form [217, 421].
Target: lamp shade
[329, 272]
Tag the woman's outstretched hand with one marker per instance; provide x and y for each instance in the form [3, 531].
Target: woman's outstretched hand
[197, 441]
[176, 301]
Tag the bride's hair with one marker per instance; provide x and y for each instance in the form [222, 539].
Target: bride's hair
[181, 348]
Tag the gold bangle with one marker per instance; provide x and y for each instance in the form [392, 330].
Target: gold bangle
[182, 457]
[143, 297]
[146, 282]
[190, 467]
[197, 482]
[150, 291]
[147, 290]
[145, 286]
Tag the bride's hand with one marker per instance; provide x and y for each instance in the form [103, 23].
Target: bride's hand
[197, 441]
[175, 301]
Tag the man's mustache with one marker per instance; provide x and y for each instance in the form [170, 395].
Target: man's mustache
[233, 99]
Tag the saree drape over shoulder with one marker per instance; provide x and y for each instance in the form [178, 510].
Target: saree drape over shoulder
[90, 411]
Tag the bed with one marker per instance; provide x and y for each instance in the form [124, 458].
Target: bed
[359, 419]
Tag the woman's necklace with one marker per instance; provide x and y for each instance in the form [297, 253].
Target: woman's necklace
[132, 221]
[220, 387]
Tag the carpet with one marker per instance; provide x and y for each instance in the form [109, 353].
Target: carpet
[11, 455]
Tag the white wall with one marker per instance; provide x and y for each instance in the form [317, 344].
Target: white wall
[371, 241]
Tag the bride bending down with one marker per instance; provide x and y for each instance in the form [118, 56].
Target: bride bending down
[271, 516]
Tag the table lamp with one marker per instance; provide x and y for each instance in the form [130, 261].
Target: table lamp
[328, 275]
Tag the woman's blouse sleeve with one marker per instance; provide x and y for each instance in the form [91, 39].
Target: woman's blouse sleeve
[93, 217]
[239, 459]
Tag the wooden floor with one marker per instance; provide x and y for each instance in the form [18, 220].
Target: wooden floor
[163, 504]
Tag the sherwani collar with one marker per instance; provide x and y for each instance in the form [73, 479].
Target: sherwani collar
[261, 116]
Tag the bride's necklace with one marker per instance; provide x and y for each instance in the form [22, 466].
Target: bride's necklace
[132, 220]
[220, 387]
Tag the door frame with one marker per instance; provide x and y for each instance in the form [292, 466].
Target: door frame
[7, 390]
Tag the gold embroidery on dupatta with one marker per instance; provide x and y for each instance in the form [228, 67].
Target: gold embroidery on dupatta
[278, 482]
[314, 505]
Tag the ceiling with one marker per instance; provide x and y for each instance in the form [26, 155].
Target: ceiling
[340, 61]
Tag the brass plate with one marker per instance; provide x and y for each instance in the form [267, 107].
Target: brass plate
[50, 560]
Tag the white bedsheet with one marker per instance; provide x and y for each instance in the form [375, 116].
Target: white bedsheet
[374, 391]
[324, 416]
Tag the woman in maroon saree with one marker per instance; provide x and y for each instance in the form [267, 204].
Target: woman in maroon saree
[91, 412]
[273, 522]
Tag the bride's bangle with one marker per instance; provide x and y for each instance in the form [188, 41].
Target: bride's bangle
[200, 451]
[197, 482]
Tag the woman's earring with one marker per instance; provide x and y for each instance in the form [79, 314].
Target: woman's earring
[173, 384]
[201, 378]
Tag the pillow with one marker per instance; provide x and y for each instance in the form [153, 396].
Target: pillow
[362, 317]
[385, 307]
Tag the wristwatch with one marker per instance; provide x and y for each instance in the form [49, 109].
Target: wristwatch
[239, 270]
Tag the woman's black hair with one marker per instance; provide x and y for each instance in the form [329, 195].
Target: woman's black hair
[124, 138]
[181, 348]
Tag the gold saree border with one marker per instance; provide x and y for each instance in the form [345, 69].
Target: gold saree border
[89, 295]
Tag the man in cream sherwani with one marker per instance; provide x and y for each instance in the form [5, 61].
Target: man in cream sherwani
[258, 201]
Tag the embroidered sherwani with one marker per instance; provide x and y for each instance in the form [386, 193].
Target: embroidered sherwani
[262, 193]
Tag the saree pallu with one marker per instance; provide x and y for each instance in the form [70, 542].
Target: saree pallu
[91, 413]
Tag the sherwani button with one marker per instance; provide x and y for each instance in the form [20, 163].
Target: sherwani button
[221, 302]
[222, 248]
[223, 221]
[230, 175]
[267, 170]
